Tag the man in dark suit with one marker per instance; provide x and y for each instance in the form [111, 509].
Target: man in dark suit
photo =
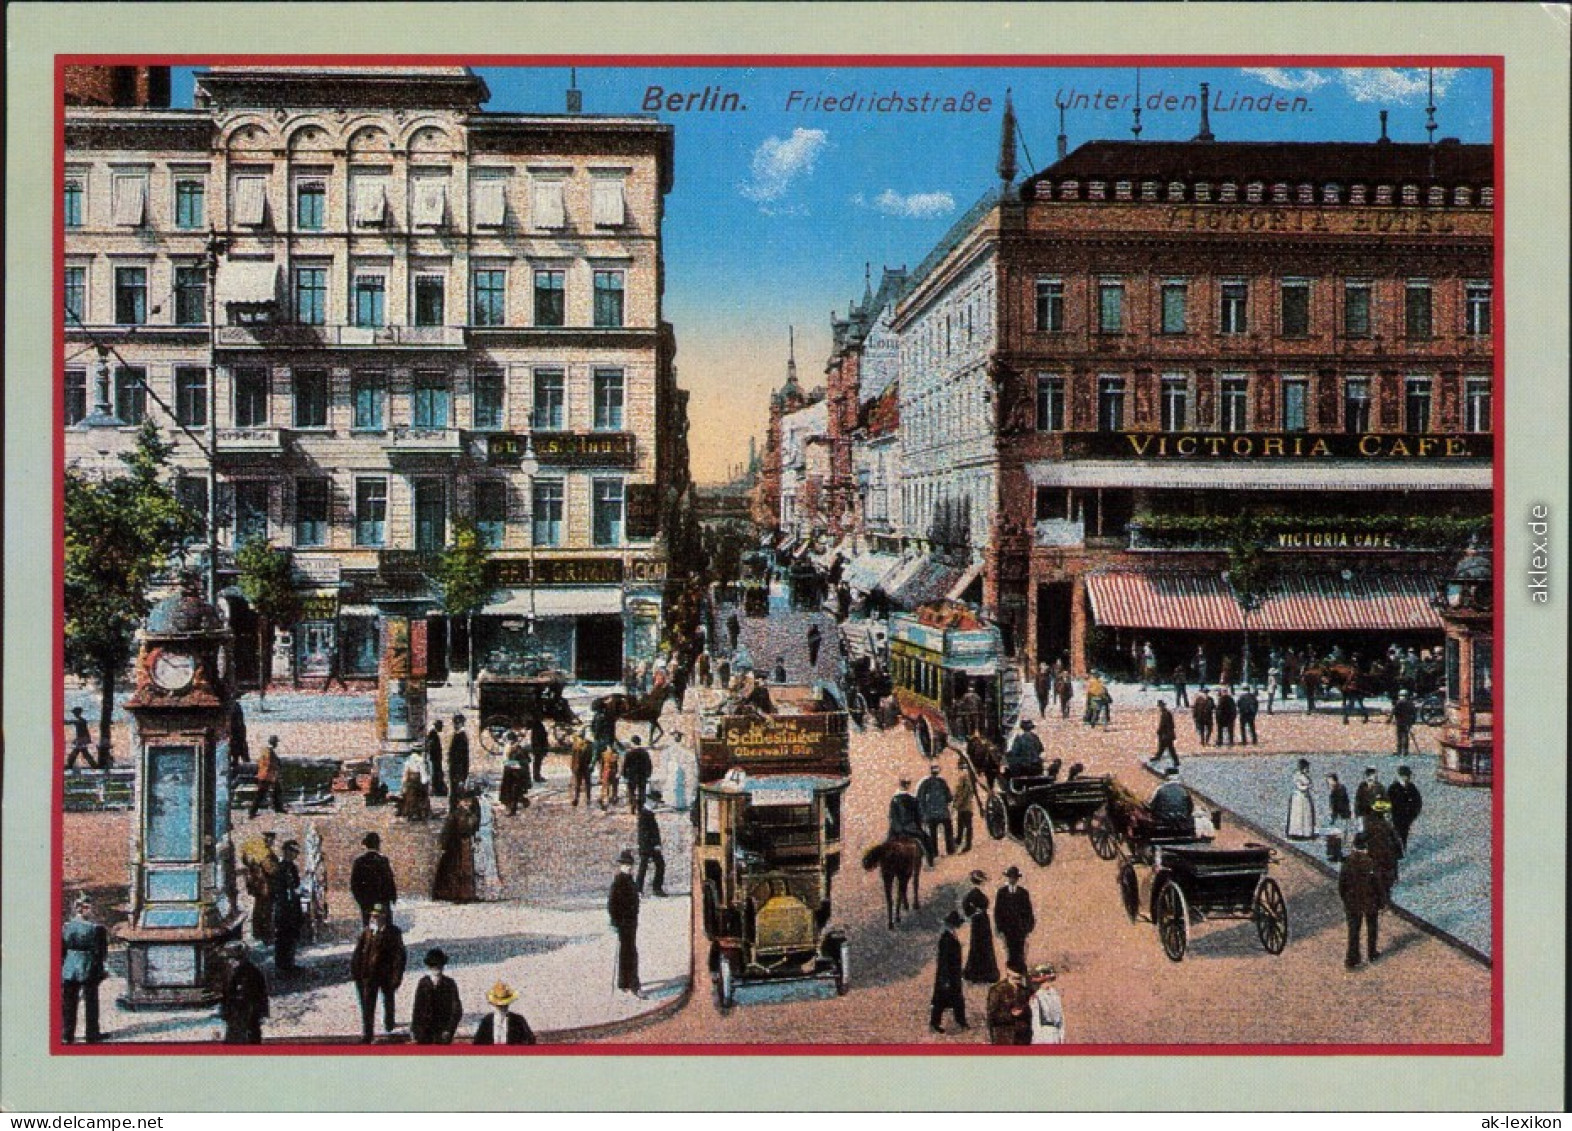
[539, 747]
[1227, 712]
[458, 756]
[1407, 804]
[650, 844]
[1165, 735]
[1013, 917]
[906, 816]
[623, 907]
[636, 770]
[287, 916]
[933, 802]
[84, 951]
[371, 879]
[377, 967]
[1249, 708]
[1363, 898]
[949, 990]
[244, 1005]
[1025, 756]
[1368, 793]
[439, 783]
[438, 1010]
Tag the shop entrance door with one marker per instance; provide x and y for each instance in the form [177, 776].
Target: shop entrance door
[599, 650]
[1053, 620]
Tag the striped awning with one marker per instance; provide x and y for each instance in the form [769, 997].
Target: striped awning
[1311, 602]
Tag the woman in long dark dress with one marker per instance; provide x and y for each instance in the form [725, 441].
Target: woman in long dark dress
[981, 964]
[455, 880]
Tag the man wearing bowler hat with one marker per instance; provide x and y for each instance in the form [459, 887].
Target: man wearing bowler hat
[377, 966]
[438, 1010]
[623, 907]
[1025, 756]
[1013, 917]
[949, 991]
[371, 878]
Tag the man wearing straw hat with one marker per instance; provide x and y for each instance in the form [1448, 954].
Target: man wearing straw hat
[513, 1029]
[1047, 1011]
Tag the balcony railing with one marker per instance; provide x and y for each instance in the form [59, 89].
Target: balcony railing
[1060, 532]
[288, 335]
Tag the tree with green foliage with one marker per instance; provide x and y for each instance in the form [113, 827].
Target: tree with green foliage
[120, 534]
[267, 583]
[1251, 572]
[459, 573]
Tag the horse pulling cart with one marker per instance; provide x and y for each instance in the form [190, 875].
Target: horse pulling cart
[508, 702]
[1032, 810]
[768, 843]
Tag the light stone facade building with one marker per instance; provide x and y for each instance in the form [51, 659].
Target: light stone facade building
[425, 312]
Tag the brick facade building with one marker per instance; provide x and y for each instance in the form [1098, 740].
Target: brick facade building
[425, 312]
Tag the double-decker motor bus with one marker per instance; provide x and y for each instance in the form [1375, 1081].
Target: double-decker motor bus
[938, 654]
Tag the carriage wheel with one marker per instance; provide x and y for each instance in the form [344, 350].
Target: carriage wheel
[1103, 837]
[1130, 891]
[994, 817]
[726, 981]
[1037, 831]
[1271, 915]
[494, 734]
[1173, 921]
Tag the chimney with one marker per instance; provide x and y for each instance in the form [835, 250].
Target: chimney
[575, 95]
[1206, 121]
[1064, 138]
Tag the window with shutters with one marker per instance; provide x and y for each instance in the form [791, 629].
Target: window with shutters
[431, 202]
[491, 201]
[550, 210]
[250, 202]
[608, 202]
[128, 199]
[370, 201]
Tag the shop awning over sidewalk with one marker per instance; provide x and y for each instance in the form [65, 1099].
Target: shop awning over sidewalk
[1262, 475]
[1311, 602]
[558, 602]
[932, 580]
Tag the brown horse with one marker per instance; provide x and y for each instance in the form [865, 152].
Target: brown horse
[899, 860]
[644, 709]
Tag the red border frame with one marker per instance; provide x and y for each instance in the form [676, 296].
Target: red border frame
[1496, 64]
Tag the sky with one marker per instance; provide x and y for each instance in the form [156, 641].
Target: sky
[780, 202]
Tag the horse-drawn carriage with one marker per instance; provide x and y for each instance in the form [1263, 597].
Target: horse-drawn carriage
[1172, 876]
[508, 702]
[768, 843]
[1032, 809]
[951, 675]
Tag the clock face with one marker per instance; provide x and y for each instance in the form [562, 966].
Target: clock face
[173, 671]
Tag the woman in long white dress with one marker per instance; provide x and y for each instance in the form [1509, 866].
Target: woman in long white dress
[488, 882]
[1046, 1008]
[1301, 806]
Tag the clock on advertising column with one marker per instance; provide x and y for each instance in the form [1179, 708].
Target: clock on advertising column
[183, 905]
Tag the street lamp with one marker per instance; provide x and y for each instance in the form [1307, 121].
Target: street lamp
[530, 467]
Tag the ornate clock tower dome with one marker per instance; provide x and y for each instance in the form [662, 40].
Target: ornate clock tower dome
[183, 906]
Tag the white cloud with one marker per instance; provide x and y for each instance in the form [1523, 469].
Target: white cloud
[1288, 80]
[1391, 84]
[914, 206]
[780, 161]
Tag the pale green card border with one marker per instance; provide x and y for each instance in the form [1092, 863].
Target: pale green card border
[1534, 40]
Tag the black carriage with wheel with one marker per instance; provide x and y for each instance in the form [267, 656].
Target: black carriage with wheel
[508, 702]
[1033, 810]
[1188, 884]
